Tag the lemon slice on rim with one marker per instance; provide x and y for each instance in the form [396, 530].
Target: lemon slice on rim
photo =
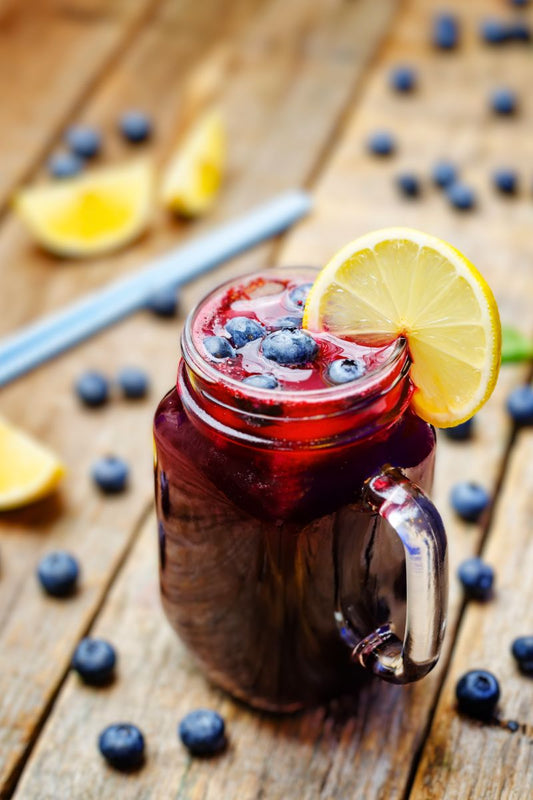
[401, 282]
[193, 178]
[91, 214]
[28, 470]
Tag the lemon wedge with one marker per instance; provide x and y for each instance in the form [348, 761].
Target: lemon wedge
[28, 470]
[92, 214]
[401, 282]
[193, 178]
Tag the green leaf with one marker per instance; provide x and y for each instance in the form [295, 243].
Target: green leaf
[515, 346]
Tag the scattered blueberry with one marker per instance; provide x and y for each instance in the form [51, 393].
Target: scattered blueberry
[469, 500]
[522, 650]
[218, 347]
[289, 346]
[381, 143]
[444, 174]
[505, 181]
[519, 3]
[202, 732]
[58, 573]
[243, 330]
[135, 126]
[261, 381]
[94, 660]
[408, 184]
[445, 32]
[512, 726]
[476, 577]
[84, 141]
[344, 370]
[478, 692]
[133, 382]
[461, 197]
[110, 474]
[520, 405]
[403, 79]
[92, 388]
[520, 31]
[503, 101]
[298, 295]
[64, 165]
[288, 322]
[494, 31]
[164, 302]
[460, 433]
[122, 746]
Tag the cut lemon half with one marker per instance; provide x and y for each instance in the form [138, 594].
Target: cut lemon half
[28, 470]
[193, 178]
[92, 214]
[401, 282]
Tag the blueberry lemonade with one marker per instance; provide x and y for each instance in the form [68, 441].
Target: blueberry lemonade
[299, 550]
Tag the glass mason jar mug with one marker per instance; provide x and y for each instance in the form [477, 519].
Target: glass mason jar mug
[297, 544]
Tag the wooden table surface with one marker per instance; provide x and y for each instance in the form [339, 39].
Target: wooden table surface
[302, 84]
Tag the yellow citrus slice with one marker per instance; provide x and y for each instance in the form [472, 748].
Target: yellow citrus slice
[28, 470]
[91, 214]
[193, 178]
[401, 282]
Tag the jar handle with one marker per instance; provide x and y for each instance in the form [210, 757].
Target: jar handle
[418, 524]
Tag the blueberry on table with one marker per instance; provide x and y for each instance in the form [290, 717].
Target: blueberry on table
[469, 500]
[243, 330]
[135, 126]
[522, 650]
[461, 432]
[298, 295]
[403, 79]
[344, 370]
[218, 347]
[494, 31]
[64, 165]
[477, 693]
[58, 573]
[477, 578]
[122, 746]
[202, 732]
[261, 381]
[288, 322]
[408, 184]
[445, 31]
[381, 143]
[289, 347]
[94, 660]
[444, 174]
[505, 181]
[133, 381]
[84, 141]
[520, 405]
[461, 197]
[503, 101]
[92, 388]
[110, 474]
[164, 302]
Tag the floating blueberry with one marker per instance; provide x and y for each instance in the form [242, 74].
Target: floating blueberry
[110, 474]
[503, 101]
[460, 433]
[135, 126]
[522, 650]
[444, 174]
[261, 381]
[298, 295]
[288, 322]
[469, 500]
[408, 184]
[122, 746]
[289, 346]
[165, 493]
[94, 660]
[162, 537]
[520, 405]
[92, 388]
[381, 143]
[494, 31]
[445, 31]
[133, 382]
[461, 197]
[478, 692]
[344, 370]
[202, 732]
[477, 578]
[84, 141]
[218, 347]
[243, 330]
[64, 165]
[505, 181]
[164, 302]
[58, 573]
[403, 79]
